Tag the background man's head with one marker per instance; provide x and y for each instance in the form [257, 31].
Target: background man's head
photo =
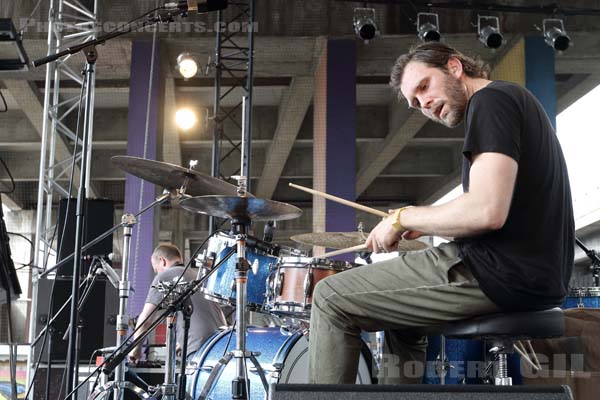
[431, 77]
[164, 256]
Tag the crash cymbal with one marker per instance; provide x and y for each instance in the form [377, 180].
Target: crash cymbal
[171, 176]
[235, 207]
[332, 240]
[345, 240]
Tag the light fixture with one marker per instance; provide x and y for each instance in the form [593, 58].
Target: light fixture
[555, 34]
[185, 118]
[12, 53]
[428, 27]
[187, 65]
[364, 24]
[488, 31]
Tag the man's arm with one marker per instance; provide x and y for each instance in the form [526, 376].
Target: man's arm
[143, 324]
[484, 208]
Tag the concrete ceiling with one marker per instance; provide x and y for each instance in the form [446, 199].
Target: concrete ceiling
[422, 158]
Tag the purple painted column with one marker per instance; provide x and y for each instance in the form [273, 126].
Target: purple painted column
[145, 114]
[334, 150]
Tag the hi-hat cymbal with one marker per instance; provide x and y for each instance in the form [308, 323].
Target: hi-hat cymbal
[171, 176]
[345, 240]
[235, 207]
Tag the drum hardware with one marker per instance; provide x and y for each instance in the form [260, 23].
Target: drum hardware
[240, 211]
[117, 359]
[595, 267]
[283, 357]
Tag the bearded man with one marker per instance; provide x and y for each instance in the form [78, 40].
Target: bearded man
[512, 228]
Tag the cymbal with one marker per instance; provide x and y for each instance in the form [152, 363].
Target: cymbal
[233, 207]
[171, 176]
[344, 240]
[332, 240]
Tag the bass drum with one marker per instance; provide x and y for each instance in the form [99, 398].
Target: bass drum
[283, 356]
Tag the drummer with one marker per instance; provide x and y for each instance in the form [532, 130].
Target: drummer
[207, 317]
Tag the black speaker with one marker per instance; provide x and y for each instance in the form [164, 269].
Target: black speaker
[418, 392]
[98, 219]
[92, 318]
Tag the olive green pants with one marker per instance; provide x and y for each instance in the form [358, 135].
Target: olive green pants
[416, 289]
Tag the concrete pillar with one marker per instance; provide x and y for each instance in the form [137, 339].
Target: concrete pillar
[540, 79]
[145, 119]
[334, 150]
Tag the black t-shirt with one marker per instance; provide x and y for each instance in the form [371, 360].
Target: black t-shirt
[525, 265]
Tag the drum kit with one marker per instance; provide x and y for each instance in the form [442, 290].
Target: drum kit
[251, 275]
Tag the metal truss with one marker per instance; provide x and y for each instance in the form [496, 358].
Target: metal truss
[234, 62]
[70, 23]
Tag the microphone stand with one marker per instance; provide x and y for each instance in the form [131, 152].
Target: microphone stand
[595, 267]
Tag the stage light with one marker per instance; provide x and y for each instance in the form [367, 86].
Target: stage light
[488, 31]
[365, 26]
[187, 65]
[428, 27]
[12, 53]
[555, 34]
[185, 119]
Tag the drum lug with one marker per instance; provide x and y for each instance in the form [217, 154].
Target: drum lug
[308, 284]
[278, 283]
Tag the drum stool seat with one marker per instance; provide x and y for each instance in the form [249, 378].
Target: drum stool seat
[503, 329]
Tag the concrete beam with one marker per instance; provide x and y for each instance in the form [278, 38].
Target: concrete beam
[394, 142]
[291, 114]
[27, 97]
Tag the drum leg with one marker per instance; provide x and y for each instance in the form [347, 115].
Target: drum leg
[214, 376]
[261, 372]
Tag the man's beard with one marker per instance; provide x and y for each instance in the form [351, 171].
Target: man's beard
[456, 102]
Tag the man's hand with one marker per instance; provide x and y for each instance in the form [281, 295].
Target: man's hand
[134, 356]
[384, 237]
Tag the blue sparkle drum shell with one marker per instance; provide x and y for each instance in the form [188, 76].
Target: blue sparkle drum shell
[220, 286]
[583, 297]
[283, 357]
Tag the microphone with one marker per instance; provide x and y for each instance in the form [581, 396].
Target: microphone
[268, 231]
[110, 273]
[265, 247]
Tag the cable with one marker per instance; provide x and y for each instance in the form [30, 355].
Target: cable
[3, 102]
[127, 342]
[12, 180]
[21, 29]
[30, 264]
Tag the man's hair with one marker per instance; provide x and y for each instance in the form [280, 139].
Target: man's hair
[168, 252]
[436, 54]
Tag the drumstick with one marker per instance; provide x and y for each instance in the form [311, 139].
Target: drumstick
[344, 251]
[342, 201]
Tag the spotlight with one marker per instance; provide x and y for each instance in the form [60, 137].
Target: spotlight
[187, 66]
[364, 24]
[428, 27]
[489, 33]
[555, 34]
[185, 119]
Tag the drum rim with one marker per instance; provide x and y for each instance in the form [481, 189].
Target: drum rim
[313, 262]
[584, 291]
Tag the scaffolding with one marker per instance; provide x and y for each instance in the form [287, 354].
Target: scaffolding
[234, 60]
[69, 23]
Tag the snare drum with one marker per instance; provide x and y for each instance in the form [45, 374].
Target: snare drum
[583, 297]
[220, 286]
[292, 281]
[283, 357]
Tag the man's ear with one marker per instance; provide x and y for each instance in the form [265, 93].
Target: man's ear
[455, 67]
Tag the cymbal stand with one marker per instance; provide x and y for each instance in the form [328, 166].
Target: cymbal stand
[240, 386]
[168, 389]
[595, 267]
